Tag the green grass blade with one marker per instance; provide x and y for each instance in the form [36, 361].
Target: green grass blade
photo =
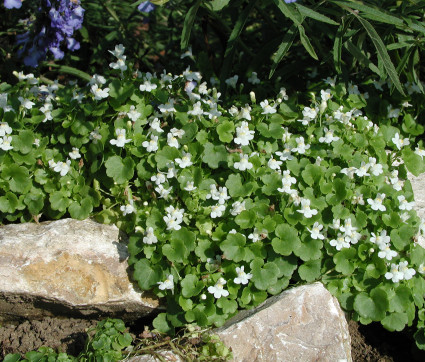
[382, 53]
[309, 13]
[188, 24]
[357, 53]
[284, 46]
[306, 42]
[337, 49]
[289, 12]
[70, 70]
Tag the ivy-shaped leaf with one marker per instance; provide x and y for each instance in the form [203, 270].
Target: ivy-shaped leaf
[121, 170]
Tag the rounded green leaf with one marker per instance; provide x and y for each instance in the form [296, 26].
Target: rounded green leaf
[18, 176]
[146, 274]
[395, 321]
[59, 200]
[225, 131]
[214, 155]
[81, 210]
[233, 247]
[121, 170]
[191, 286]
[310, 270]
[246, 219]
[372, 306]
[263, 276]
[287, 241]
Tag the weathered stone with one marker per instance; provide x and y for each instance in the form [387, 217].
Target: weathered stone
[304, 324]
[67, 267]
[165, 356]
[418, 187]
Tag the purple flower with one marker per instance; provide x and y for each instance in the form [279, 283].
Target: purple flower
[10, 4]
[146, 7]
[290, 1]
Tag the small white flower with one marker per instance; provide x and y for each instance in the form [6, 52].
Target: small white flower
[245, 112]
[243, 164]
[267, 108]
[310, 113]
[152, 144]
[404, 204]
[420, 152]
[377, 203]
[159, 178]
[217, 210]
[167, 108]
[187, 53]
[286, 154]
[147, 86]
[197, 110]
[163, 192]
[190, 186]
[340, 242]
[305, 209]
[400, 142]
[274, 164]
[118, 51]
[328, 137]
[127, 209]
[26, 103]
[375, 168]
[382, 239]
[218, 289]
[301, 146]
[150, 237]
[185, 161]
[172, 141]
[5, 129]
[5, 143]
[325, 95]
[237, 208]
[243, 134]
[171, 170]
[253, 79]
[362, 171]
[350, 171]
[155, 125]
[119, 64]
[95, 135]
[232, 81]
[393, 112]
[75, 153]
[394, 274]
[167, 283]
[62, 167]
[121, 140]
[408, 273]
[242, 278]
[133, 114]
[315, 231]
[386, 252]
[99, 93]
[172, 224]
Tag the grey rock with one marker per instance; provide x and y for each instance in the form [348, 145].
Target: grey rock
[67, 267]
[304, 324]
[165, 355]
[418, 187]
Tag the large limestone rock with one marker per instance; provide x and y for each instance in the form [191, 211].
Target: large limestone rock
[301, 324]
[67, 267]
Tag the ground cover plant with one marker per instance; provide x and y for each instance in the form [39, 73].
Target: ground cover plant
[227, 202]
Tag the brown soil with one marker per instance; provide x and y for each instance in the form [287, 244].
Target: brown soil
[370, 343]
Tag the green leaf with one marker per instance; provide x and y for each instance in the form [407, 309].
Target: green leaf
[362, 58]
[228, 306]
[8, 203]
[382, 53]
[161, 323]
[309, 250]
[306, 42]
[176, 251]
[191, 286]
[344, 261]
[225, 131]
[24, 142]
[34, 200]
[237, 188]
[284, 46]
[263, 275]
[59, 200]
[401, 300]
[271, 181]
[310, 270]
[289, 12]
[188, 24]
[246, 219]
[287, 241]
[125, 340]
[166, 155]
[146, 274]
[214, 155]
[233, 247]
[70, 70]
[20, 181]
[413, 162]
[310, 13]
[12, 357]
[312, 174]
[81, 210]
[372, 306]
[217, 5]
[395, 321]
[121, 170]
[337, 48]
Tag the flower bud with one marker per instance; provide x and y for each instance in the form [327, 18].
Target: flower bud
[203, 296]
[252, 96]
[145, 203]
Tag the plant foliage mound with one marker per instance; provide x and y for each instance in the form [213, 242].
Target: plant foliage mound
[227, 201]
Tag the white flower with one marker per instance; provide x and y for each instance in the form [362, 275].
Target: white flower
[218, 289]
[190, 186]
[167, 283]
[99, 93]
[213, 112]
[375, 168]
[95, 135]
[422, 269]
[133, 114]
[340, 242]
[197, 110]
[267, 108]
[253, 79]
[394, 274]
[287, 179]
[328, 137]
[400, 142]
[243, 164]
[377, 203]
[310, 113]
[231, 82]
[350, 171]
[420, 152]
[167, 108]
[408, 273]
[274, 164]
[386, 252]
[3, 103]
[362, 171]
[244, 113]
[382, 239]
[172, 223]
[217, 210]
[255, 235]
[221, 195]
[325, 95]
[150, 237]
[286, 135]
[187, 53]
[330, 81]
[286, 154]
[233, 111]
[237, 208]
[172, 141]
[243, 134]
[155, 125]
[128, 209]
[404, 204]
[315, 231]
[185, 161]
[301, 146]
[152, 145]
[305, 209]
[393, 112]
[179, 133]
[121, 140]
[62, 167]
[5, 143]
[171, 170]
[118, 51]
[97, 79]
[163, 192]
[159, 178]
[242, 278]
[75, 153]
[147, 86]
[119, 64]
[26, 103]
